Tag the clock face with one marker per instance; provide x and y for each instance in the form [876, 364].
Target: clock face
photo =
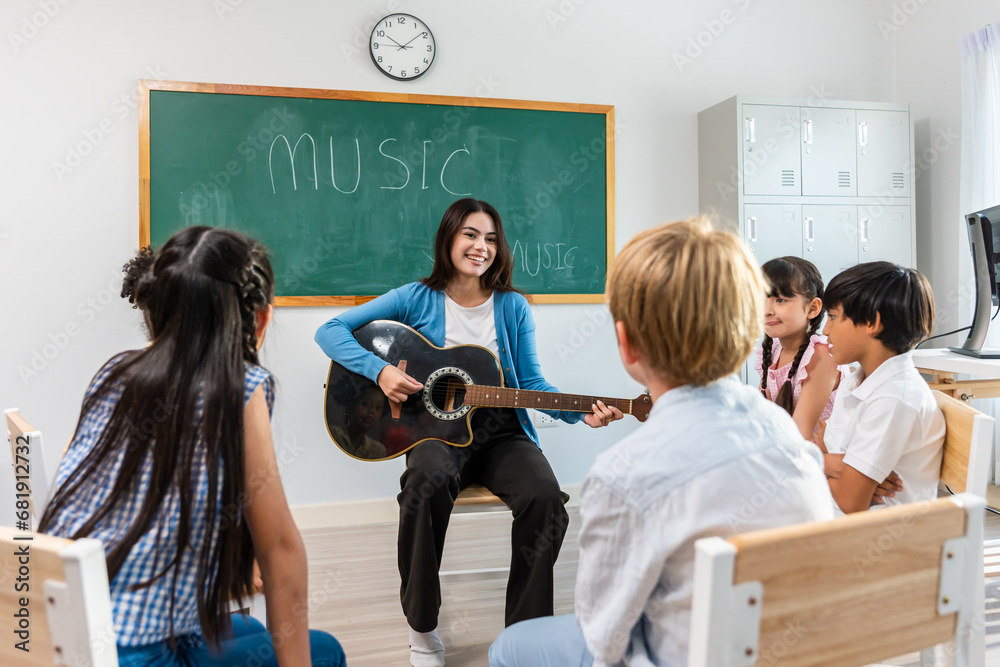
[402, 46]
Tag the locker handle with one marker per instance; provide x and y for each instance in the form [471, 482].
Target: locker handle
[862, 133]
[810, 230]
[749, 131]
[752, 229]
[807, 132]
[864, 230]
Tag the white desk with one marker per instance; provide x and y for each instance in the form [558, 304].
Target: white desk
[944, 364]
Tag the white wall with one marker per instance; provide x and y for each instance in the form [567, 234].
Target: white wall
[64, 237]
[928, 75]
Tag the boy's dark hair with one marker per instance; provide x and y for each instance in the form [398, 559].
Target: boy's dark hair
[901, 297]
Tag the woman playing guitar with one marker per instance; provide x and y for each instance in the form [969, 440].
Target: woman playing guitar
[469, 298]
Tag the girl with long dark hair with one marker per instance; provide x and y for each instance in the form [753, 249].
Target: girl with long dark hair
[794, 362]
[469, 298]
[173, 468]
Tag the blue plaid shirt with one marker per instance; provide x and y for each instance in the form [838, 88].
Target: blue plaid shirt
[143, 616]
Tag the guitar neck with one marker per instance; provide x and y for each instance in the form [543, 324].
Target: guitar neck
[507, 397]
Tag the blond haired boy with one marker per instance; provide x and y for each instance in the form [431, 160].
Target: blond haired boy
[687, 303]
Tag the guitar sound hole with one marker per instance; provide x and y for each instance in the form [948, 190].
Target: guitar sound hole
[448, 393]
[444, 393]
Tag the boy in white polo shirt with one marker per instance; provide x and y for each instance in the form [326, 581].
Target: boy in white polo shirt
[884, 418]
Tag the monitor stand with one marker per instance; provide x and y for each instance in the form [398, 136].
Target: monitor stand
[985, 353]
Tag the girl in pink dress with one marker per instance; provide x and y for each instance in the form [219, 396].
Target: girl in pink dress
[794, 362]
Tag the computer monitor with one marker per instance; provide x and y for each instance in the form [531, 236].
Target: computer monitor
[984, 240]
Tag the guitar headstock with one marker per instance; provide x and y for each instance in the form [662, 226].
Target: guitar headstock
[641, 405]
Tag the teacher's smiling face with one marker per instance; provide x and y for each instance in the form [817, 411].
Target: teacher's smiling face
[475, 246]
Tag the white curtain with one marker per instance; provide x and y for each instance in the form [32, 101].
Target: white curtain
[980, 187]
[980, 170]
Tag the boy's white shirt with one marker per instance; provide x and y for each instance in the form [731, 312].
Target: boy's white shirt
[889, 422]
[713, 460]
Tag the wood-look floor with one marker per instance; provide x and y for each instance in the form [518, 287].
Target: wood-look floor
[355, 590]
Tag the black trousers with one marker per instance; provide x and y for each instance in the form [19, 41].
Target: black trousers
[504, 460]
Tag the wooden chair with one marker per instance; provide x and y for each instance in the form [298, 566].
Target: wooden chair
[968, 440]
[968, 445]
[476, 498]
[64, 614]
[27, 457]
[868, 586]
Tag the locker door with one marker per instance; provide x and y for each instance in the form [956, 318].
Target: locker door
[773, 230]
[771, 163]
[829, 158]
[883, 140]
[885, 234]
[830, 236]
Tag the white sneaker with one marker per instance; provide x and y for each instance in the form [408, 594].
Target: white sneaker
[426, 649]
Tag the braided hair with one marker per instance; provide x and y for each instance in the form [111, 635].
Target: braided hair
[134, 271]
[790, 277]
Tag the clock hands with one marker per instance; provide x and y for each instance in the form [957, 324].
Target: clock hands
[406, 45]
[401, 47]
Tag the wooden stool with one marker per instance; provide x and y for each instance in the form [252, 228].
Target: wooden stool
[476, 498]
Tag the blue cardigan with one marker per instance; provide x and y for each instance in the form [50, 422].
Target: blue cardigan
[422, 308]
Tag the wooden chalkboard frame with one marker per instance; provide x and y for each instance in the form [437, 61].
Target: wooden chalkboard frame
[145, 86]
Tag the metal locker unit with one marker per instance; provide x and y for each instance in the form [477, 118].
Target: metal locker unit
[829, 161]
[771, 164]
[828, 180]
[884, 158]
[880, 229]
[773, 230]
[831, 237]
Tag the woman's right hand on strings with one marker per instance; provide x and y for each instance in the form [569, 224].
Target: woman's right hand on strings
[396, 384]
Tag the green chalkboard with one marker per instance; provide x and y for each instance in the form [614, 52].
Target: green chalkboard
[347, 189]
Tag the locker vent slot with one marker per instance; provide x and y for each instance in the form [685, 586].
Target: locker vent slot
[898, 182]
[788, 178]
[844, 179]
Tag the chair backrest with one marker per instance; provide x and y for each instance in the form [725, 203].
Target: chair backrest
[851, 591]
[27, 457]
[967, 442]
[54, 596]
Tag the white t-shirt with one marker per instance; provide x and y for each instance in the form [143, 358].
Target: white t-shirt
[470, 326]
[889, 422]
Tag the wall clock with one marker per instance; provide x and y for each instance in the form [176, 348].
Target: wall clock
[402, 47]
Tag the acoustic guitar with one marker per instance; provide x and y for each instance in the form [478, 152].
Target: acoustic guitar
[457, 380]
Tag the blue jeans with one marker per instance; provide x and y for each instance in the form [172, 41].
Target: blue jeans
[251, 646]
[552, 641]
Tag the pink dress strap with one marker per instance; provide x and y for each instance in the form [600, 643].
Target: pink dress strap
[776, 377]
